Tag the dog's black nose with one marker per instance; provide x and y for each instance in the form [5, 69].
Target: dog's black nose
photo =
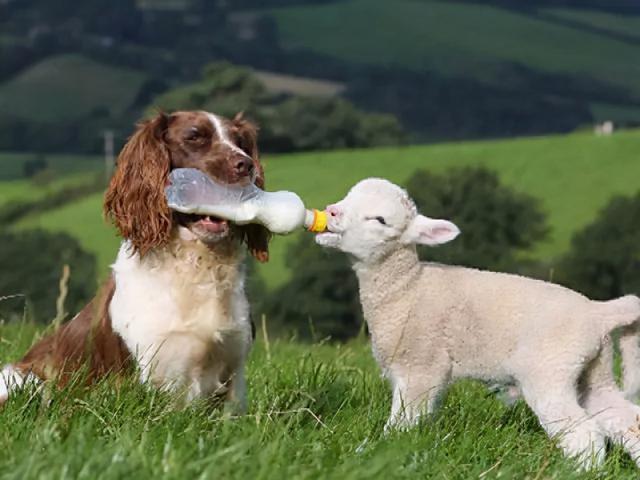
[243, 166]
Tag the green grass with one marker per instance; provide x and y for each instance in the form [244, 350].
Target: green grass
[456, 38]
[26, 190]
[574, 176]
[310, 409]
[83, 220]
[67, 87]
[620, 24]
[12, 164]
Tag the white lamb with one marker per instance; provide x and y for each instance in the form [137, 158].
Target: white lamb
[432, 323]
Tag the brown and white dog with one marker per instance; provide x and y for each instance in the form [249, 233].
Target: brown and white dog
[174, 305]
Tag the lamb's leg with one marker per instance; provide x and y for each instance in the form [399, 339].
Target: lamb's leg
[416, 393]
[630, 351]
[601, 397]
[556, 404]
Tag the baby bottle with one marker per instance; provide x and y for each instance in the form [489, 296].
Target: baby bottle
[191, 191]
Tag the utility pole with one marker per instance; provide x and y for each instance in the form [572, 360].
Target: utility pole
[109, 158]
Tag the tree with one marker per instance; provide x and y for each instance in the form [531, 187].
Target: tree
[604, 260]
[32, 263]
[34, 165]
[321, 297]
[287, 123]
[311, 123]
[496, 222]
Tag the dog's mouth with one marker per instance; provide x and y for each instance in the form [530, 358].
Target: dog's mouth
[212, 224]
[205, 223]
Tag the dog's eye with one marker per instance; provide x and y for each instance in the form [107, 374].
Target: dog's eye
[192, 134]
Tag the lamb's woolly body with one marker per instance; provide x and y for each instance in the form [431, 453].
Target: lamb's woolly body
[183, 314]
[432, 323]
[415, 310]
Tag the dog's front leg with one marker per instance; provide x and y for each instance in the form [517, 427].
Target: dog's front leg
[235, 402]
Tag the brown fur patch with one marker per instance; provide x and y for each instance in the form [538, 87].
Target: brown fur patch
[85, 342]
[135, 199]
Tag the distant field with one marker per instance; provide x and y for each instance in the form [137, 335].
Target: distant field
[621, 24]
[25, 190]
[67, 170]
[468, 40]
[12, 164]
[573, 176]
[83, 220]
[418, 34]
[67, 87]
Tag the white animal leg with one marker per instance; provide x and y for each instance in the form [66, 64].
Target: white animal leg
[556, 405]
[601, 397]
[415, 394]
[630, 351]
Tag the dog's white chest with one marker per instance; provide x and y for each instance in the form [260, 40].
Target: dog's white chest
[180, 313]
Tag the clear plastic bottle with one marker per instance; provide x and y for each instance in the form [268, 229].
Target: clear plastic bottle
[191, 191]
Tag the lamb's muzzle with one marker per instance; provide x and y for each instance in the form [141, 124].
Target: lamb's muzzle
[431, 324]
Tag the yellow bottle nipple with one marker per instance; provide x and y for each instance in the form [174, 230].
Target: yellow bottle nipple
[319, 224]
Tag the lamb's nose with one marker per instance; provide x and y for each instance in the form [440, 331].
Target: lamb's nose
[333, 211]
[244, 166]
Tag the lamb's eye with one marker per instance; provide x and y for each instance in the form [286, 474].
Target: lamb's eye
[378, 219]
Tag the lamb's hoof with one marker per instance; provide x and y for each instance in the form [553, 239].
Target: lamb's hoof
[586, 447]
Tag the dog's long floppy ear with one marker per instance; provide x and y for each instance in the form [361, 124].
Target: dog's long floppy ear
[135, 200]
[256, 236]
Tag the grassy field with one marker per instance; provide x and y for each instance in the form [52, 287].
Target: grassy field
[417, 34]
[468, 40]
[315, 412]
[23, 190]
[573, 176]
[620, 24]
[12, 165]
[67, 87]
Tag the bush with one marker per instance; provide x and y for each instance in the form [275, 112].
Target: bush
[321, 298]
[290, 123]
[34, 165]
[604, 260]
[312, 123]
[496, 222]
[32, 263]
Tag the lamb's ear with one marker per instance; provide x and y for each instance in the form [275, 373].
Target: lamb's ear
[430, 231]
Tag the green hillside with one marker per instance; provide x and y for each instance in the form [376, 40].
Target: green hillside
[470, 40]
[573, 176]
[69, 86]
[619, 24]
[12, 165]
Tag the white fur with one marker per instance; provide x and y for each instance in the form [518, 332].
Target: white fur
[223, 135]
[431, 324]
[11, 380]
[183, 314]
